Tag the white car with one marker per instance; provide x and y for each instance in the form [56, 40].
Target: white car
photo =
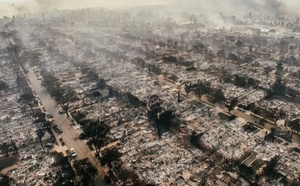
[37, 97]
[50, 120]
[73, 153]
[61, 111]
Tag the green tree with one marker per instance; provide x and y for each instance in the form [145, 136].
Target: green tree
[230, 104]
[267, 70]
[154, 109]
[14, 50]
[240, 80]
[278, 114]
[269, 169]
[199, 91]
[3, 86]
[199, 47]
[130, 177]
[63, 96]
[239, 45]
[167, 120]
[216, 96]
[233, 57]
[279, 68]
[109, 156]
[49, 81]
[5, 180]
[202, 88]
[187, 88]
[283, 45]
[221, 53]
[279, 86]
[101, 83]
[28, 98]
[21, 81]
[92, 75]
[125, 175]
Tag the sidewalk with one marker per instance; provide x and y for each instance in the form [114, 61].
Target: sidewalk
[60, 149]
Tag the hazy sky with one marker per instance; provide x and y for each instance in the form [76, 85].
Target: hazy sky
[26, 6]
[12, 1]
[232, 6]
[86, 3]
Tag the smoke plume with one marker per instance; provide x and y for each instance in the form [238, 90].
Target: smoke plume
[240, 7]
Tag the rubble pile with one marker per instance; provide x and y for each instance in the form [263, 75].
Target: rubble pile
[114, 61]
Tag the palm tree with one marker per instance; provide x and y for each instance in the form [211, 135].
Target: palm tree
[239, 44]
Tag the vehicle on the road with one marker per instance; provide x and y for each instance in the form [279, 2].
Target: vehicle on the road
[48, 145]
[36, 69]
[50, 120]
[43, 109]
[79, 127]
[57, 129]
[48, 115]
[61, 111]
[73, 153]
[37, 97]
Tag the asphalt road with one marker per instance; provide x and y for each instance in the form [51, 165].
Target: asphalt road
[69, 135]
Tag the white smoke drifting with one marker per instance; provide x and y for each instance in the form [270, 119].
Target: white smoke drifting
[240, 7]
[31, 6]
[236, 7]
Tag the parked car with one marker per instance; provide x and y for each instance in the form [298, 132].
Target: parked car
[48, 115]
[48, 145]
[73, 153]
[43, 109]
[57, 129]
[50, 120]
[37, 98]
[61, 111]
